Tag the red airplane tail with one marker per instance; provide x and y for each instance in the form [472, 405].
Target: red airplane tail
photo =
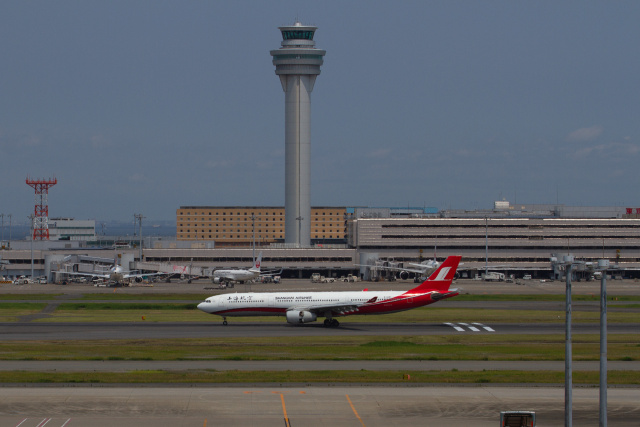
[441, 279]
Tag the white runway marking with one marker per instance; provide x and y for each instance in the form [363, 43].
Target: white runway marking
[463, 325]
[457, 328]
[473, 328]
[485, 327]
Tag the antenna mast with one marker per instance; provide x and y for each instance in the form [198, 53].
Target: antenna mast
[41, 210]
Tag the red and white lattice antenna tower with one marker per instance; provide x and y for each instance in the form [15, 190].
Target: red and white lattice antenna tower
[41, 211]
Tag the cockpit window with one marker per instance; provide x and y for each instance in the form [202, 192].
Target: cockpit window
[208, 301]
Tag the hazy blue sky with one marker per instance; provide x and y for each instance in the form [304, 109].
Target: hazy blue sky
[145, 106]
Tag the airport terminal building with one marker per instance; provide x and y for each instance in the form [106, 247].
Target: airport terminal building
[515, 240]
[241, 225]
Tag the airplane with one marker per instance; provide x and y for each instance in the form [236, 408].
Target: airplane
[116, 275]
[305, 307]
[421, 270]
[238, 275]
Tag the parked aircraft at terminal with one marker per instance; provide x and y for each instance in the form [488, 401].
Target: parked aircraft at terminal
[238, 275]
[423, 269]
[304, 307]
[115, 275]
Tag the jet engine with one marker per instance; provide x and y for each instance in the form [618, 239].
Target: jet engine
[137, 279]
[404, 275]
[296, 317]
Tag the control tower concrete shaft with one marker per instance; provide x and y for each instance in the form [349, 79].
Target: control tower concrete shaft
[297, 64]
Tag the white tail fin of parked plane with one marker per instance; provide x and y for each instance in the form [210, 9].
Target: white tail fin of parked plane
[256, 264]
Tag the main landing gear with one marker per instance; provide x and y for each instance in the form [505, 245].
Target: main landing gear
[331, 323]
[224, 321]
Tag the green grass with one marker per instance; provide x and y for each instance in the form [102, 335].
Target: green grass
[30, 297]
[427, 347]
[124, 312]
[120, 295]
[542, 297]
[95, 306]
[10, 312]
[362, 376]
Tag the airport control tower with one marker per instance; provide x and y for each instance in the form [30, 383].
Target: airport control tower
[297, 64]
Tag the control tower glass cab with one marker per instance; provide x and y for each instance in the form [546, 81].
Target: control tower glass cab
[297, 64]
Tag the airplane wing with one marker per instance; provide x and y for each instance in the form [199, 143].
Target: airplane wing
[75, 273]
[410, 270]
[129, 276]
[339, 309]
[430, 266]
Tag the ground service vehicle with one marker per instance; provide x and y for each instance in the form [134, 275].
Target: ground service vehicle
[517, 419]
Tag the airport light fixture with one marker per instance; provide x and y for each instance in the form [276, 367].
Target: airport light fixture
[31, 221]
[603, 265]
[139, 218]
[568, 368]
[569, 262]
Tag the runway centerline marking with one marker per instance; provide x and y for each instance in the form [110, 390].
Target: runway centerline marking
[354, 410]
[284, 410]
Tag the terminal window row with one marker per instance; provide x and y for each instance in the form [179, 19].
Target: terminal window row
[530, 226]
[248, 259]
[512, 236]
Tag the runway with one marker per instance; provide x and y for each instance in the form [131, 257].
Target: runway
[157, 330]
[339, 406]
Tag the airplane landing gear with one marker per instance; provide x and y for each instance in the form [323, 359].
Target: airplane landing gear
[224, 321]
[331, 323]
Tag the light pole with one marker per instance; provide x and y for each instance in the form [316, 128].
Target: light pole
[139, 217]
[486, 247]
[9, 227]
[603, 264]
[299, 219]
[568, 368]
[32, 218]
[253, 231]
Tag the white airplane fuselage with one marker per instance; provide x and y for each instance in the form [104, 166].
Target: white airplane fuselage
[235, 275]
[278, 303]
[303, 307]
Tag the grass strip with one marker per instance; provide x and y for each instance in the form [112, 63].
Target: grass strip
[30, 297]
[362, 376]
[98, 312]
[125, 306]
[543, 297]
[10, 312]
[624, 347]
